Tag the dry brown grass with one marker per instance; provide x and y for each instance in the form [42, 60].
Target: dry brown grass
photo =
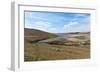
[75, 46]
[38, 52]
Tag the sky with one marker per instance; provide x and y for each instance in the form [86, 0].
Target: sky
[57, 22]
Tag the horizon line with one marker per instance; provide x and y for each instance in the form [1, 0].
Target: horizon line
[56, 32]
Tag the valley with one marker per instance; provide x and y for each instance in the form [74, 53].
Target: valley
[40, 45]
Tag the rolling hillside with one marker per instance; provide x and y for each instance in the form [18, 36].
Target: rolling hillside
[34, 35]
[41, 46]
[79, 38]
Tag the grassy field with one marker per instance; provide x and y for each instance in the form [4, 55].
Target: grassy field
[38, 52]
[40, 45]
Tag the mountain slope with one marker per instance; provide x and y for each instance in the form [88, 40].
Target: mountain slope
[34, 34]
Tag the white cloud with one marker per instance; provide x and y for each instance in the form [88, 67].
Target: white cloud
[81, 15]
[70, 26]
[66, 26]
[41, 25]
[83, 28]
[76, 27]
[44, 26]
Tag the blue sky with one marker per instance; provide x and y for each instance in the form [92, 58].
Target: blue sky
[57, 22]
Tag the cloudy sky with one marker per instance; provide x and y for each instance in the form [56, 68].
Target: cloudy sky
[57, 22]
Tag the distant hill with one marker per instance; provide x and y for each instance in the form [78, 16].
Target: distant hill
[72, 33]
[75, 38]
[34, 34]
